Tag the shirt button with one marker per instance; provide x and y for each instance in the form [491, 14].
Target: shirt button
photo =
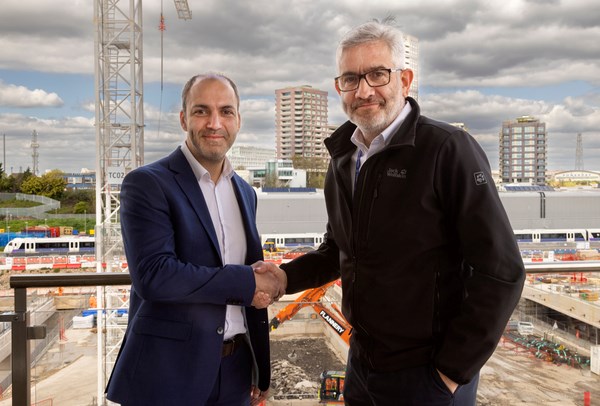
[220, 330]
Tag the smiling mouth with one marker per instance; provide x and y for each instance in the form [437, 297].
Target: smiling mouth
[368, 104]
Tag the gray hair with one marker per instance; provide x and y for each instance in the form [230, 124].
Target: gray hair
[375, 30]
[196, 78]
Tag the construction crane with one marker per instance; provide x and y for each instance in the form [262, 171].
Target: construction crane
[118, 54]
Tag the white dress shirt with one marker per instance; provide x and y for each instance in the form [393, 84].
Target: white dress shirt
[227, 221]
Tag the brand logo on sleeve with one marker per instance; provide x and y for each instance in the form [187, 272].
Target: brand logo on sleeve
[479, 178]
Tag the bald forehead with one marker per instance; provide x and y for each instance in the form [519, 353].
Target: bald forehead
[196, 84]
[211, 94]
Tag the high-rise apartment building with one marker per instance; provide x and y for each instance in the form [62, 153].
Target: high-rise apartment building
[523, 151]
[301, 122]
[411, 61]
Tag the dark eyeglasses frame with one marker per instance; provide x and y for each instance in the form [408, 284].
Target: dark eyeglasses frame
[364, 76]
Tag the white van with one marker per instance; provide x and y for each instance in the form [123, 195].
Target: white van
[525, 328]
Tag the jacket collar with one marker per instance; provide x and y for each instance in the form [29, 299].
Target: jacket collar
[339, 143]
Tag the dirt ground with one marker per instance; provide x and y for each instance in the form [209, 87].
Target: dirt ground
[511, 376]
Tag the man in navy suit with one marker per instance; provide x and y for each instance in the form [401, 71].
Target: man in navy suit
[196, 335]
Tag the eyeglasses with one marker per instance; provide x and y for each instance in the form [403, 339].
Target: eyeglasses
[375, 78]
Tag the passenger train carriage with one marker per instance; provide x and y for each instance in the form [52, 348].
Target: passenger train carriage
[50, 246]
[273, 242]
[557, 235]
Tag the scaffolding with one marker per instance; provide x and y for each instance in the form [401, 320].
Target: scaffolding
[119, 149]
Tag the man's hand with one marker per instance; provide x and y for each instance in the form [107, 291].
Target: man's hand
[261, 300]
[262, 267]
[452, 386]
[270, 284]
[257, 396]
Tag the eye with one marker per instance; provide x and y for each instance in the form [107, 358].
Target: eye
[377, 74]
[229, 112]
[349, 79]
[198, 111]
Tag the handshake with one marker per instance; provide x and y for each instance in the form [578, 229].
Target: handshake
[271, 283]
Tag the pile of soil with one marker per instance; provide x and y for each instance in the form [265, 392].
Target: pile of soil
[297, 364]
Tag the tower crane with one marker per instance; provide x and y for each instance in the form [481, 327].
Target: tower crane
[118, 55]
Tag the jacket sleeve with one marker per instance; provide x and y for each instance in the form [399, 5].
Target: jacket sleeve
[493, 272]
[169, 255]
[315, 268]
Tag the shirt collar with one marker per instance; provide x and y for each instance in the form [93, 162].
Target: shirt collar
[199, 170]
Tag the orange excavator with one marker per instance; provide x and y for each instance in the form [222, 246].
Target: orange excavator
[332, 382]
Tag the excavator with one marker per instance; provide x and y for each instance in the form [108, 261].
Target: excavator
[332, 382]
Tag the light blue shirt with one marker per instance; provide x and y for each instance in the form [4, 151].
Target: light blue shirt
[379, 143]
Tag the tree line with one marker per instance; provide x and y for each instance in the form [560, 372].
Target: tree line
[52, 185]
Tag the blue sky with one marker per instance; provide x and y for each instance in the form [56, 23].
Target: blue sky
[480, 63]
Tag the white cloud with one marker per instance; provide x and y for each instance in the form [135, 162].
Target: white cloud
[466, 47]
[21, 97]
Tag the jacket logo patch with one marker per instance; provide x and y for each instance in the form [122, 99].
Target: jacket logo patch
[479, 178]
[395, 173]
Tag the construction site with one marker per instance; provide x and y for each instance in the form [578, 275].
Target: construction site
[309, 344]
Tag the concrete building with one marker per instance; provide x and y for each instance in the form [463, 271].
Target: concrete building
[246, 156]
[81, 180]
[306, 212]
[300, 122]
[277, 173]
[523, 151]
[411, 61]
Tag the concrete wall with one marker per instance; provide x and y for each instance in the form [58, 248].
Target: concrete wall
[306, 212]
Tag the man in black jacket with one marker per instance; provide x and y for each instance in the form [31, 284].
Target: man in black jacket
[430, 268]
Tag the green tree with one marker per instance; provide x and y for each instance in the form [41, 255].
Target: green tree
[81, 207]
[50, 184]
[315, 169]
[271, 180]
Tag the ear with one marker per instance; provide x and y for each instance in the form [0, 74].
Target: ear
[406, 78]
[337, 88]
[182, 120]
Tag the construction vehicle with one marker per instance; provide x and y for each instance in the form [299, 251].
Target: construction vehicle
[332, 382]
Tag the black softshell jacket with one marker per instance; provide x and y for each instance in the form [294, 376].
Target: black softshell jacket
[430, 268]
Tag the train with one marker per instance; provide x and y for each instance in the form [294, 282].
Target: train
[50, 246]
[557, 235]
[275, 242]
[271, 242]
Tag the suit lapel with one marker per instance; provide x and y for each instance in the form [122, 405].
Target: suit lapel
[247, 206]
[185, 178]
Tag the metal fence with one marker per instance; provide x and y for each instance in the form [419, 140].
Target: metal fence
[39, 212]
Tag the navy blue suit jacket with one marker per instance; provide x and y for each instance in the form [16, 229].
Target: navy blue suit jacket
[171, 351]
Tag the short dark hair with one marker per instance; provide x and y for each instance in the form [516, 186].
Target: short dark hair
[202, 76]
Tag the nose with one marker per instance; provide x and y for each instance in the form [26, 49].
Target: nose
[214, 121]
[364, 91]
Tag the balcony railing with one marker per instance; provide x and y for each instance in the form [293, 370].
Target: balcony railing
[22, 332]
